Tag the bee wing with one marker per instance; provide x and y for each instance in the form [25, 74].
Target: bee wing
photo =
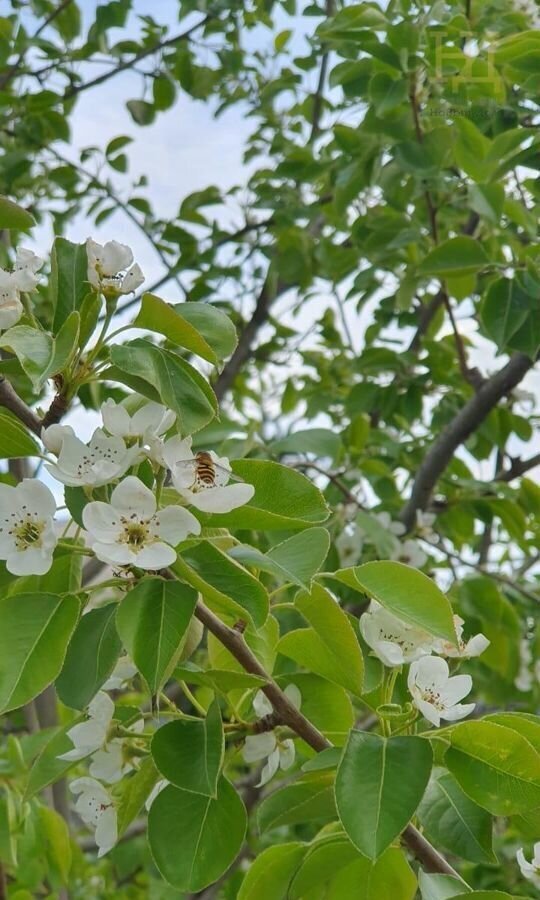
[187, 465]
[230, 475]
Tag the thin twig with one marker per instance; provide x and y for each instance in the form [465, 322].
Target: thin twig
[464, 423]
[6, 78]
[73, 90]
[11, 400]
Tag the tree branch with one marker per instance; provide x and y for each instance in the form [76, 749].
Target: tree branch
[518, 467]
[267, 296]
[73, 90]
[11, 400]
[12, 71]
[431, 859]
[458, 430]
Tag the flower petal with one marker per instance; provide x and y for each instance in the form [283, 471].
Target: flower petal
[114, 554]
[101, 520]
[155, 556]
[454, 713]
[218, 499]
[262, 705]
[106, 833]
[456, 689]
[270, 768]
[132, 495]
[258, 746]
[174, 523]
[30, 561]
[286, 754]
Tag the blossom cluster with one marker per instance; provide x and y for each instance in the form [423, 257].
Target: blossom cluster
[434, 692]
[128, 529]
[351, 540]
[110, 759]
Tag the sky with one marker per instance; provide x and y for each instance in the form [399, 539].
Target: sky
[185, 150]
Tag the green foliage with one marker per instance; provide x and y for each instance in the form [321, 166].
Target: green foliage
[364, 306]
[371, 771]
[36, 629]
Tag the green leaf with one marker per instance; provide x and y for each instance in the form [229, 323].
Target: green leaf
[505, 308]
[296, 560]
[153, 622]
[321, 861]
[164, 92]
[34, 349]
[189, 753]
[330, 648]
[15, 441]
[374, 800]
[457, 256]
[135, 790]
[333, 864]
[319, 441]
[47, 767]
[452, 821]
[91, 657]
[407, 593]
[270, 873]
[499, 622]
[157, 315]
[55, 842]
[438, 887]
[68, 284]
[326, 705]
[283, 500]
[194, 839]
[525, 724]
[34, 634]
[65, 346]
[225, 585]
[141, 112]
[13, 216]
[178, 384]
[308, 800]
[213, 324]
[495, 766]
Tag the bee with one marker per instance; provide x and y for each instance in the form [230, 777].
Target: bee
[206, 472]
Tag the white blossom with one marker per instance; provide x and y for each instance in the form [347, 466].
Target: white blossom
[410, 553]
[524, 679]
[396, 528]
[435, 693]
[96, 808]
[349, 545]
[111, 269]
[123, 672]
[278, 754]
[131, 531]
[220, 497]
[111, 763]
[393, 641]
[91, 735]
[148, 422]
[465, 650]
[157, 789]
[102, 460]
[424, 523]
[21, 278]
[27, 536]
[53, 437]
[530, 9]
[530, 870]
